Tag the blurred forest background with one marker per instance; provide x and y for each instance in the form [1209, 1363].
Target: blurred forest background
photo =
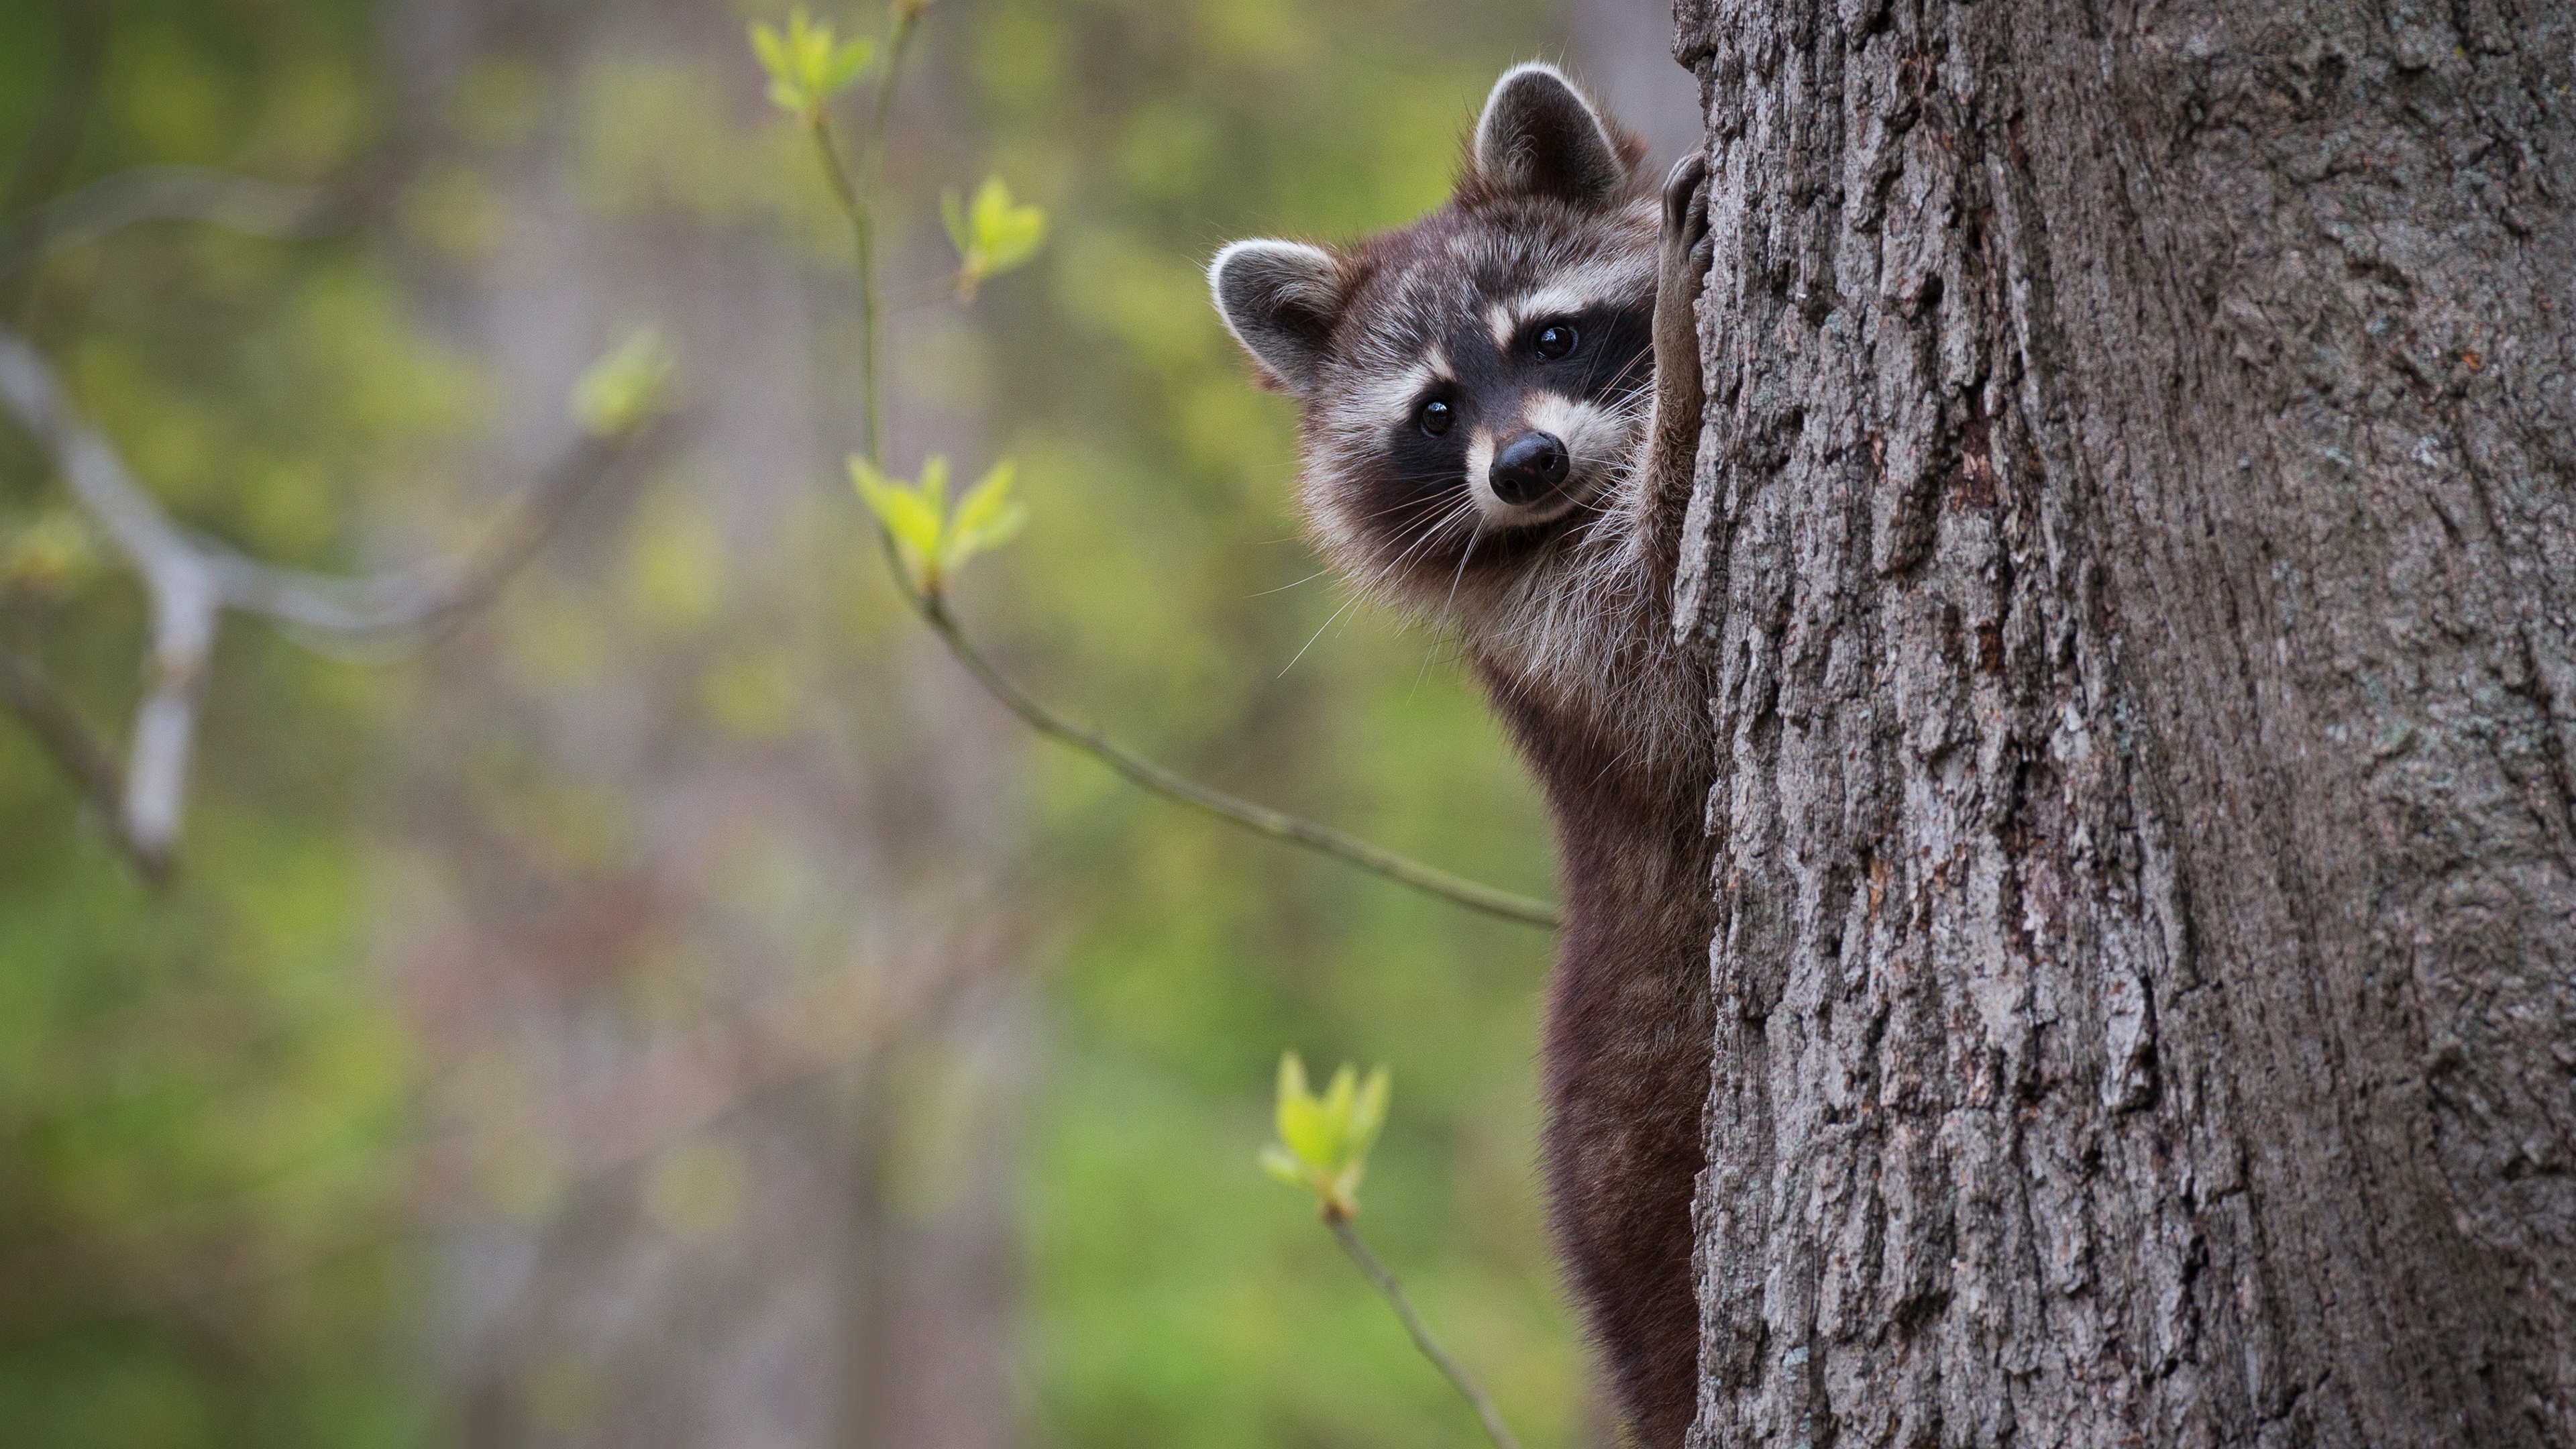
[671, 1007]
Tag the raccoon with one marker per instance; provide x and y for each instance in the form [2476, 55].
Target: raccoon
[1500, 409]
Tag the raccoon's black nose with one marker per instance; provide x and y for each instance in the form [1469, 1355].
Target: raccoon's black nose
[1528, 468]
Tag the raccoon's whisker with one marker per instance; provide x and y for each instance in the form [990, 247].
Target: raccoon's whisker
[1455, 579]
[1318, 634]
[1430, 532]
[1642, 359]
[1283, 588]
[1402, 504]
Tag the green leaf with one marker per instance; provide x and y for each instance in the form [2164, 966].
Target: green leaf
[1306, 1130]
[986, 518]
[807, 65]
[1338, 1096]
[991, 234]
[934, 484]
[908, 516]
[1324, 1141]
[1276, 1161]
[847, 66]
[771, 50]
[627, 386]
[1292, 1087]
[1368, 1113]
[986, 501]
[801, 35]
[1007, 235]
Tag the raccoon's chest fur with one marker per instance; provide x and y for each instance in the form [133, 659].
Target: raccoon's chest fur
[1578, 649]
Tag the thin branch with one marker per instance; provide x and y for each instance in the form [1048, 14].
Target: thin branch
[81, 48]
[1467, 1387]
[1259, 819]
[418, 599]
[192, 580]
[186, 609]
[50, 716]
[96, 477]
[163, 193]
[907, 19]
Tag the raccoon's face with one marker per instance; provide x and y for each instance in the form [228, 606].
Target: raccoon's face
[1474, 385]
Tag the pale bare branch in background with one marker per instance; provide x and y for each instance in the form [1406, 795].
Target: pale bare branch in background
[192, 580]
[164, 193]
[56, 723]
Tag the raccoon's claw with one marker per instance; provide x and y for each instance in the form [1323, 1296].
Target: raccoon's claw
[1686, 203]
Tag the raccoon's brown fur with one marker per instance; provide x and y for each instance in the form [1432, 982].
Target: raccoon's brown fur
[1501, 405]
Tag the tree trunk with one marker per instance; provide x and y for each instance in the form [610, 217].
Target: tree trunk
[2136, 537]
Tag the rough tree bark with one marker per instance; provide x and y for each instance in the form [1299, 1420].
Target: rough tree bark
[2137, 536]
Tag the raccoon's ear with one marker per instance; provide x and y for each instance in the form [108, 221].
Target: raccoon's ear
[1539, 136]
[1280, 300]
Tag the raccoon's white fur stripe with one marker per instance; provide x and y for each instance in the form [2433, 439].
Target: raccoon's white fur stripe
[1599, 439]
[1392, 400]
[1605, 283]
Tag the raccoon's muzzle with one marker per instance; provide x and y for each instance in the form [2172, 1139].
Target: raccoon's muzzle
[1529, 468]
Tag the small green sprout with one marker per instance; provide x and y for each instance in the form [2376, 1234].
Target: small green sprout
[627, 386]
[1323, 1147]
[934, 542]
[1324, 1141]
[992, 235]
[807, 64]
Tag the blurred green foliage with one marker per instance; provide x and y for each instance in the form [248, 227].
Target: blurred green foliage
[204, 1098]
[207, 1102]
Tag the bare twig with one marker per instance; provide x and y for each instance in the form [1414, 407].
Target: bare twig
[1467, 1387]
[419, 599]
[50, 716]
[192, 580]
[163, 193]
[1259, 819]
[81, 46]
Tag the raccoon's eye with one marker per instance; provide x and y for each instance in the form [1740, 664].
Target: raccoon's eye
[1555, 340]
[1436, 417]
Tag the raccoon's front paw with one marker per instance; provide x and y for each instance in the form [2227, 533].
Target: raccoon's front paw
[1684, 249]
[1683, 253]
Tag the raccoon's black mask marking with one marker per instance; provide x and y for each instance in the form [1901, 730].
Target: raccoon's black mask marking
[1548, 228]
[1434, 297]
